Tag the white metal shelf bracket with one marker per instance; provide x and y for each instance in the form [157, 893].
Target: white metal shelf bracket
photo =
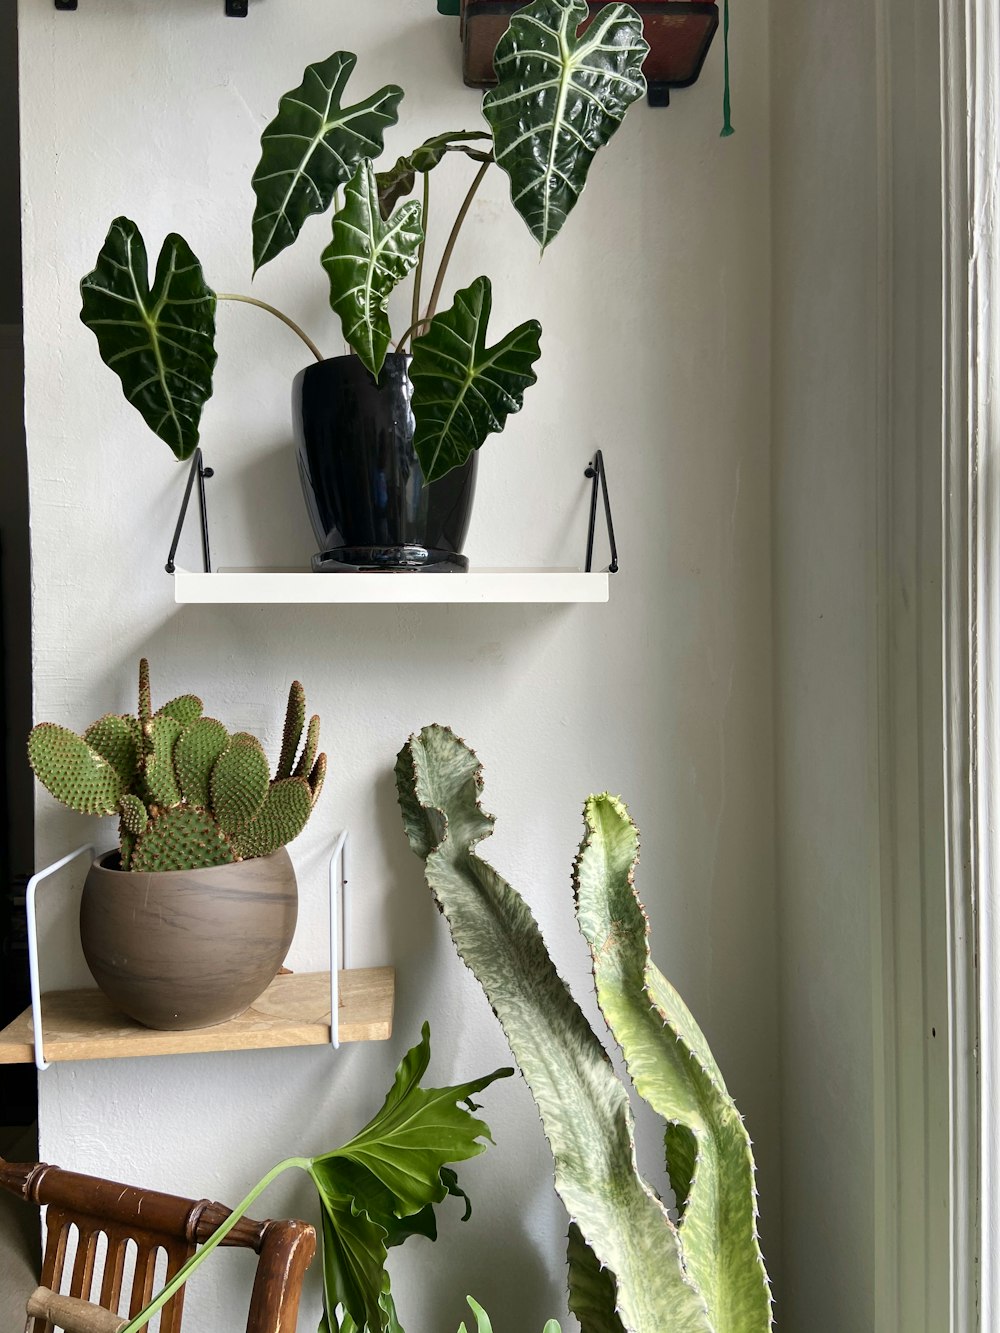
[33, 972]
[340, 937]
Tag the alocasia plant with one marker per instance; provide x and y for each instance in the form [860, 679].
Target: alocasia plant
[560, 97]
[379, 1188]
[633, 1266]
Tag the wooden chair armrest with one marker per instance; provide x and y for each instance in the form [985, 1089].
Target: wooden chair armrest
[72, 1314]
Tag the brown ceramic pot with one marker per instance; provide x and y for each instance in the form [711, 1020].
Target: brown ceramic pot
[180, 949]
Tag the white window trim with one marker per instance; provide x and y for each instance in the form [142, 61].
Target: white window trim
[937, 915]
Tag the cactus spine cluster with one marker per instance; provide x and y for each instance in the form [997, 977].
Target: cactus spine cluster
[187, 793]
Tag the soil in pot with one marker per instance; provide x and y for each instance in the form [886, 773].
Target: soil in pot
[181, 949]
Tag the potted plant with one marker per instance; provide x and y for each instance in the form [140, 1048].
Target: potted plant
[189, 920]
[387, 436]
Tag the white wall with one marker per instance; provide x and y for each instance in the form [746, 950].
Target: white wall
[655, 305]
[824, 119]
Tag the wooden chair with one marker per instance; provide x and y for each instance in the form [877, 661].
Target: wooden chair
[156, 1223]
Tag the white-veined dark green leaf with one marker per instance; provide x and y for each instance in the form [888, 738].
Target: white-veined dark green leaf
[398, 181]
[366, 260]
[160, 342]
[673, 1069]
[560, 97]
[462, 389]
[312, 147]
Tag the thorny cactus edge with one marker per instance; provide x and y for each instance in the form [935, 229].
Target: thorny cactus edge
[187, 793]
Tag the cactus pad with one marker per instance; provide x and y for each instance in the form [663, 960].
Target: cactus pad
[308, 757]
[239, 783]
[282, 817]
[187, 794]
[161, 735]
[134, 815]
[185, 709]
[73, 772]
[117, 739]
[181, 839]
[295, 720]
[195, 754]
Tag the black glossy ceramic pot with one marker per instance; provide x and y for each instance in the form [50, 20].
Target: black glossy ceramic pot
[362, 482]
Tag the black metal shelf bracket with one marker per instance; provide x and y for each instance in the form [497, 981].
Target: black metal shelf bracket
[595, 471]
[201, 473]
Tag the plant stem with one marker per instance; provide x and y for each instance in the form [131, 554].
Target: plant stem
[415, 314]
[216, 1238]
[448, 249]
[412, 329]
[252, 300]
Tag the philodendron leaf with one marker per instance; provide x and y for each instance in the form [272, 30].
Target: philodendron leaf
[583, 1105]
[673, 1070]
[398, 181]
[160, 342]
[560, 97]
[312, 147]
[380, 1186]
[462, 389]
[365, 261]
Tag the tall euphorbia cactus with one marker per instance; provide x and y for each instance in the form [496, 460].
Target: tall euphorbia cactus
[187, 793]
[632, 1268]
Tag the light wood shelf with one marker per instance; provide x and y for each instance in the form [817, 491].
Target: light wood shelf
[293, 1011]
[262, 587]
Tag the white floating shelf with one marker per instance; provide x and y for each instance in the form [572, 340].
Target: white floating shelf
[259, 587]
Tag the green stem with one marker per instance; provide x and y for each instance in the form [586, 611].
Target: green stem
[415, 313]
[273, 310]
[449, 248]
[417, 323]
[216, 1238]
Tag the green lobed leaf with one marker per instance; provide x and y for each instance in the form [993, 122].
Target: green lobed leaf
[365, 261]
[463, 390]
[673, 1070]
[378, 1187]
[584, 1107]
[560, 97]
[160, 342]
[312, 147]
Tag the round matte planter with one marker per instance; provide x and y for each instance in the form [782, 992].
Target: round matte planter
[181, 949]
[363, 486]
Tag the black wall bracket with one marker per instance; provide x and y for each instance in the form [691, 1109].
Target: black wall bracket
[202, 473]
[595, 471]
[235, 9]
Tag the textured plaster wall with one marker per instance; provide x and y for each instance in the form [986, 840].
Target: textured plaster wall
[824, 116]
[655, 306]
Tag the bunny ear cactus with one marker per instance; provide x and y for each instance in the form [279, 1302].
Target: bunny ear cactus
[632, 1268]
[187, 793]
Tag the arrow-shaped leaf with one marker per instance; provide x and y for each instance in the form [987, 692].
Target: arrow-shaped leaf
[312, 147]
[365, 261]
[560, 97]
[160, 342]
[462, 389]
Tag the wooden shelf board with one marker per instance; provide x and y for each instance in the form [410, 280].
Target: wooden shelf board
[293, 1011]
[258, 587]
